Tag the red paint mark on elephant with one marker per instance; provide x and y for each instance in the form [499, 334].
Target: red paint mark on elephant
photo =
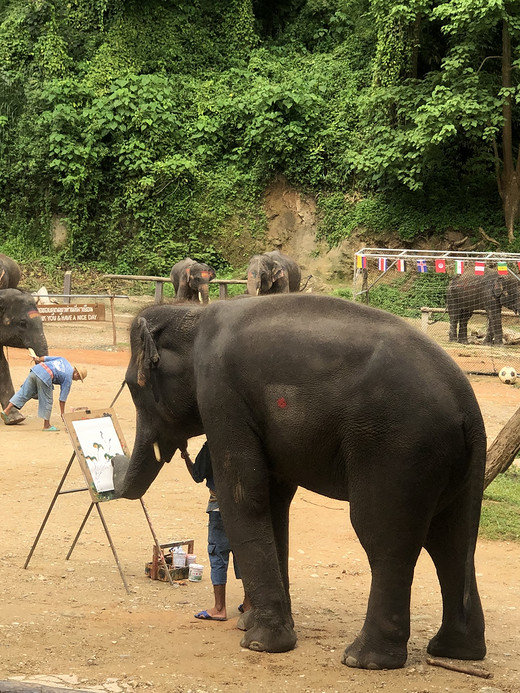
[281, 402]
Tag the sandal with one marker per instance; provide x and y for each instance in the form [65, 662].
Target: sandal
[51, 428]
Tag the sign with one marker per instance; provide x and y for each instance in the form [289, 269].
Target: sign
[72, 312]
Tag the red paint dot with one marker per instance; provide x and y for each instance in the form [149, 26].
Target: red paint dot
[281, 402]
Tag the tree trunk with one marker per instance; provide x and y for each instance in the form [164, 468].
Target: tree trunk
[503, 450]
[510, 188]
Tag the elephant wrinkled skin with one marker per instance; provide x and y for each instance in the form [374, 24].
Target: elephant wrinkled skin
[342, 399]
[488, 292]
[20, 326]
[191, 280]
[272, 273]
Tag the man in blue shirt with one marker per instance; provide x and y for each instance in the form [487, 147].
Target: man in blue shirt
[47, 372]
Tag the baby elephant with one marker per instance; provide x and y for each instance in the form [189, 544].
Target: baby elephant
[272, 273]
[190, 280]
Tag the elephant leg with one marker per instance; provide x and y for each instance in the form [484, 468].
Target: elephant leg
[391, 530]
[463, 327]
[451, 546]
[6, 384]
[280, 497]
[453, 328]
[258, 540]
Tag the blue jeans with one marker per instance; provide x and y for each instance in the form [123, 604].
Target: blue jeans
[219, 550]
[33, 387]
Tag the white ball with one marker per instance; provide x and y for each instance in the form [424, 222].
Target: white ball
[507, 375]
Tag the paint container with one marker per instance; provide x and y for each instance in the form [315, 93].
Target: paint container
[190, 558]
[179, 557]
[195, 572]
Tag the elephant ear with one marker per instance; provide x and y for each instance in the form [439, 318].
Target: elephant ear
[278, 272]
[147, 356]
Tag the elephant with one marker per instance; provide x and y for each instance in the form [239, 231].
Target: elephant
[9, 272]
[20, 326]
[345, 400]
[190, 280]
[488, 292]
[272, 273]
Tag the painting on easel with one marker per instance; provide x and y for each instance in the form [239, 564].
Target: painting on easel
[96, 437]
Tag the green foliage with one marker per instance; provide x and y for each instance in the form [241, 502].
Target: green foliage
[406, 295]
[500, 519]
[151, 129]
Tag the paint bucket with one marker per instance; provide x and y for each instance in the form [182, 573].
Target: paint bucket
[179, 557]
[190, 558]
[195, 572]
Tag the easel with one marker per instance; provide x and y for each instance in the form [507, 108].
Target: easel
[106, 416]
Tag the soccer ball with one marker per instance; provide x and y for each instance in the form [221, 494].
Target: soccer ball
[507, 375]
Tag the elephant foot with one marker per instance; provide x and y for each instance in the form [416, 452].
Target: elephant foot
[457, 645]
[362, 655]
[260, 638]
[246, 620]
[14, 417]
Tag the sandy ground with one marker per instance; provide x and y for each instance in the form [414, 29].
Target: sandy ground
[70, 623]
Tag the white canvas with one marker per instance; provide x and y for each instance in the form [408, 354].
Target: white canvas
[99, 443]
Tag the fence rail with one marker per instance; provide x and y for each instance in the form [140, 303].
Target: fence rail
[159, 283]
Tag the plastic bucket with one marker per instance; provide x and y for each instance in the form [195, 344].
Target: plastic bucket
[179, 559]
[190, 558]
[195, 572]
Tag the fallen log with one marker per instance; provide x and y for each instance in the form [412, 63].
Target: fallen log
[503, 450]
[461, 668]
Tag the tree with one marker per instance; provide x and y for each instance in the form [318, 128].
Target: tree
[445, 77]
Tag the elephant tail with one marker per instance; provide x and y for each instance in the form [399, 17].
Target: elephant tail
[306, 282]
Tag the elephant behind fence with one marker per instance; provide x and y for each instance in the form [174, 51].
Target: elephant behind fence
[488, 292]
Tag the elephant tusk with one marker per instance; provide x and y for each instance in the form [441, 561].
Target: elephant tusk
[258, 292]
[157, 451]
[201, 298]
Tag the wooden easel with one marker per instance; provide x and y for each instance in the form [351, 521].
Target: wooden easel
[96, 496]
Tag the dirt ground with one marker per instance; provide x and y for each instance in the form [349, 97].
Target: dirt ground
[71, 624]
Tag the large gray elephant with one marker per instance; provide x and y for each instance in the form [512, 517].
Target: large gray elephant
[488, 292]
[20, 326]
[9, 272]
[191, 279]
[342, 399]
[272, 273]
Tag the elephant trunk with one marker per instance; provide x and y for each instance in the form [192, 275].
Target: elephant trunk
[204, 293]
[253, 285]
[134, 476]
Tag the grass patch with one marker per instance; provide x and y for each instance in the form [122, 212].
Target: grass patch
[500, 519]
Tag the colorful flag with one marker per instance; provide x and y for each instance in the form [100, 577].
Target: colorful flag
[421, 266]
[459, 266]
[518, 263]
[502, 268]
[440, 265]
[480, 267]
[383, 264]
[401, 265]
[361, 261]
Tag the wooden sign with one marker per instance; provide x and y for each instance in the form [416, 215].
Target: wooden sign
[72, 312]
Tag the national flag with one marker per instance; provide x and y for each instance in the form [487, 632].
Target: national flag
[502, 268]
[440, 266]
[459, 266]
[401, 265]
[480, 267]
[361, 261]
[383, 264]
[421, 266]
